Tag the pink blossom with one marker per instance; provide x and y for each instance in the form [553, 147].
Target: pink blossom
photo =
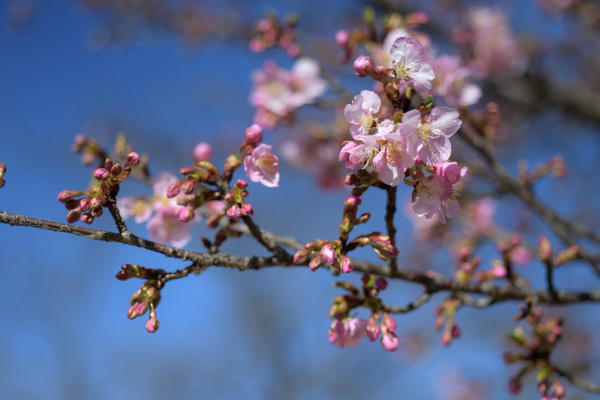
[428, 136]
[495, 50]
[381, 53]
[361, 113]
[450, 171]
[262, 166]
[480, 216]
[277, 92]
[393, 155]
[347, 332]
[408, 66]
[202, 152]
[165, 227]
[362, 66]
[452, 82]
[429, 194]
[132, 207]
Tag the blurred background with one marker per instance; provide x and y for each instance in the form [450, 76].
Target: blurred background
[171, 74]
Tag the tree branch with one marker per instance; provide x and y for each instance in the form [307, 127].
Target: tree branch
[202, 260]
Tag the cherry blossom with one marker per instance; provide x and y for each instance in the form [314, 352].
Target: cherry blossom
[429, 194]
[361, 113]
[347, 332]
[428, 137]
[262, 166]
[408, 66]
[278, 92]
[452, 82]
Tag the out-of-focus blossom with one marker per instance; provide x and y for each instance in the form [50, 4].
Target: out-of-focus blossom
[452, 82]
[132, 207]
[277, 92]
[408, 67]
[262, 166]
[165, 225]
[494, 49]
[347, 332]
[479, 217]
[428, 138]
[202, 152]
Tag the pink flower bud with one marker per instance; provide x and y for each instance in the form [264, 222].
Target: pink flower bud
[188, 186]
[254, 134]
[186, 214]
[242, 184]
[372, 330]
[87, 219]
[116, 169]
[133, 158]
[342, 38]
[456, 332]
[346, 265]
[381, 283]
[390, 341]
[363, 66]
[247, 209]
[67, 195]
[96, 202]
[173, 189]
[202, 152]
[85, 204]
[544, 249]
[152, 325]
[514, 386]
[257, 45]
[300, 256]
[234, 212]
[315, 263]
[328, 253]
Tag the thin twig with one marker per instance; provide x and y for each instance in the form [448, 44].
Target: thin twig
[580, 383]
[390, 212]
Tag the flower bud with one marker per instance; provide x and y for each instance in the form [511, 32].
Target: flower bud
[186, 214]
[87, 218]
[247, 209]
[300, 256]
[342, 38]
[85, 204]
[254, 134]
[346, 265]
[108, 164]
[133, 158]
[315, 263]
[328, 253]
[73, 216]
[152, 325]
[514, 386]
[363, 66]
[390, 341]
[188, 186]
[202, 152]
[173, 189]
[242, 184]
[544, 249]
[67, 195]
[116, 169]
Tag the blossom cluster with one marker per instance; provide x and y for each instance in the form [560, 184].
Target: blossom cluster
[411, 142]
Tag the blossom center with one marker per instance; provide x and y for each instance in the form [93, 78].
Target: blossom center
[371, 154]
[400, 69]
[427, 132]
[394, 152]
[365, 120]
[267, 163]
